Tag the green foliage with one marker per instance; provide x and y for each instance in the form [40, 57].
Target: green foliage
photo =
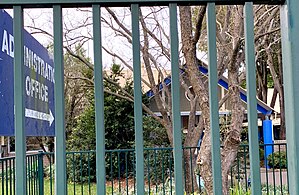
[271, 189]
[7, 173]
[262, 153]
[155, 134]
[239, 190]
[278, 160]
[159, 165]
[118, 119]
[119, 122]
[119, 127]
[156, 161]
[83, 136]
[81, 167]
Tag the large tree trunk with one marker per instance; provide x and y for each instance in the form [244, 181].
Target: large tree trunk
[204, 162]
[232, 141]
[281, 101]
[282, 134]
[200, 89]
[191, 140]
[190, 167]
[232, 137]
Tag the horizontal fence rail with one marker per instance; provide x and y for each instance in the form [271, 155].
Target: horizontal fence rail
[121, 3]
[158, 171]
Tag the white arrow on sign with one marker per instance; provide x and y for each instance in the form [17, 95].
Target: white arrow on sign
[39, 115]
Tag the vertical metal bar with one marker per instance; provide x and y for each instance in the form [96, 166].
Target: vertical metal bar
[2, 176]
[10, 178]
[74, 172]
[213, 101]
[89, 184]
[251, 100]
[288, 183]
[51, 172]
[111, 171]
[14, 174]
[99, 100]
[238, 168]
[290, 47]
[81, 172]
[148, 171]
[33, 174]
[29, 173]
[170, 169]
[155, 168]
[280, 172]
[137, 100]
[41, 172]
[163, 172]
[118, 171]
[60, 157]
[273, 171]
[134, 172]
[185, 170]
[6, 179]
[175, 96]
[191, 169]
[245, 169]
[19, 101]
[127, 176]
[231, 175]
[267, 175]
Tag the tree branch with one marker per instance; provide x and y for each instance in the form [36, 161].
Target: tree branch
[198, 27]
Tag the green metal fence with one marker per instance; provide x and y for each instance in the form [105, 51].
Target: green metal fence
[121, 172]
[290, 48]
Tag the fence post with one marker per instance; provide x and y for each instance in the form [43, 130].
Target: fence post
[290, 60]
[40, 170]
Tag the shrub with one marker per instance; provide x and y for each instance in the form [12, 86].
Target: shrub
[239, 190]
[158, 165]
[81, 167]
[277, 160]
[262, 153]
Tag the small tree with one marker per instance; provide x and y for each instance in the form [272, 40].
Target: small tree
[119, 134]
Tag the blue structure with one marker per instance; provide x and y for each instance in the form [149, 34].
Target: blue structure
[268, 139]
[223, 82]
[38, 81]
[261, 106]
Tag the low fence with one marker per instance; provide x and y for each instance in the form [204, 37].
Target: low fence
[159, 177]
[273, 169]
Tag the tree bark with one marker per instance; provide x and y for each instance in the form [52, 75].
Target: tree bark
[189, 51]
[204, 162]
[273, 99]
[190, 166]
[232, 140]
[281, 100]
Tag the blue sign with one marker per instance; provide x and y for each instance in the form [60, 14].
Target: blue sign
[38, 83]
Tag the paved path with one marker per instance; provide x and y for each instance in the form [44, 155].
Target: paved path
[274, 177]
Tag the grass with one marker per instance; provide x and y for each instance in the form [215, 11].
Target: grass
[85, 189]
[73, 189]
[79, 189]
